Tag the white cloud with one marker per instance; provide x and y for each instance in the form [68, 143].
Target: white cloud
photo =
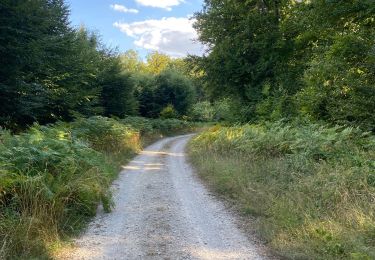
[165, 4]
[123, 9]
[173, 36]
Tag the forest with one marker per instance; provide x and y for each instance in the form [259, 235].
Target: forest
[289, 85]
[288, 59]
[56, 73]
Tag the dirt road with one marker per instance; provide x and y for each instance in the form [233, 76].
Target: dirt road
[163, 212]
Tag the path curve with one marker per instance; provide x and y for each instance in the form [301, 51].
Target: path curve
[163, 212]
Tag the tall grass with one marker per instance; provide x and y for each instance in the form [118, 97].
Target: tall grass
[311, 187]
[52, 179]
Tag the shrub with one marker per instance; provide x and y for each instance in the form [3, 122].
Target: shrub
[158, 126]
[50, 183]
[107, 135]
[168, 112]
[141, 124]
[202, 111]
[170, 126]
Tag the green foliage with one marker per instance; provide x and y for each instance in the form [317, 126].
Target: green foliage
[131, 62]
[170, 87]
[172, 126]
[158, 126]
[107, 135]
[202, 111]
[243, 39]
[55, 72]
[309, 185]
[52, 178]
[221, 110]
[339, 81]
[50, 183]
[282, 59]
[141, 124]
[231, 110]
[161, 81]
[174, 89]
[157, 63]
[117, 95]
[340, 86]
[76, 81]
[28, 34]
[168, 112]
[145, 95]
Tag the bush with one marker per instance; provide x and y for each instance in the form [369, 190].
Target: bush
[226, 109]
[50, 183]
[202, 111]
[107, 135]
[158, 126]
[170, 126]
[141, 124]
[168, 112]
[311, 186]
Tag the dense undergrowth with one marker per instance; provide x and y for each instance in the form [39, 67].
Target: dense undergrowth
[310, 187]
[52, 178]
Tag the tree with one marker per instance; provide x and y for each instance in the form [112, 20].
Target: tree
[117, 93]
[174, 89]
[340, 77]
[281, 59]
[169, 88]
[77, 77]
[34, 37]
[157, 62]
[245, 49]
[52, 70]
[131, 62]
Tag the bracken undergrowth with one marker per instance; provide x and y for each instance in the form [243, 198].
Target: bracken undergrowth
[311, 187]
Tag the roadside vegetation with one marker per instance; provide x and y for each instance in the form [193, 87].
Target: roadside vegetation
[52, 178]
[309, 187]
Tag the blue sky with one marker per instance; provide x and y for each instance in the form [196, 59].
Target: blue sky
[143, 25]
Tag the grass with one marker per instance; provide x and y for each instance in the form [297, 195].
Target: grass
[52, 178]
[310, 187]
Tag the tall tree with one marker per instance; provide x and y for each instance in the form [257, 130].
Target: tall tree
[117, 90]
[174, 89]
[245, 48]
[283, 58]
[170, 87]
[34, 37]
[340, 75]
[49, 71]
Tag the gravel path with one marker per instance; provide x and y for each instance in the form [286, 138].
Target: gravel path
[163, 212]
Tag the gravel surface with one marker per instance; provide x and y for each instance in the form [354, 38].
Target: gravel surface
[163, 212]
